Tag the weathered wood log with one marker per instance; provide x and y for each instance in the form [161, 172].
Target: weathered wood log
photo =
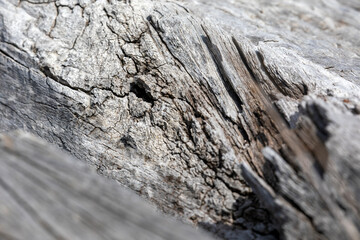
[46, 194]
[177, 100]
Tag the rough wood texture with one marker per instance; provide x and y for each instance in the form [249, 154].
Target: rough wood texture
[176, 99]
[46, 194]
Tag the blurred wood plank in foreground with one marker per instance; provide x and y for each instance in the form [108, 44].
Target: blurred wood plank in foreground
[45, 194]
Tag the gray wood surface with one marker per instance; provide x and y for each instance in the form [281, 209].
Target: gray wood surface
[238, 116]
[46, 194]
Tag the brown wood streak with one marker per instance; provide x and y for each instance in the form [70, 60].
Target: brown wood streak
[303, 155]
[290, 138]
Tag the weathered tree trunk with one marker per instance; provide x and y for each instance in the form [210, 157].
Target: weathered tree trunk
[240, 117]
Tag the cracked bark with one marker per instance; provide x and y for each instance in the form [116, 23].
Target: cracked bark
[232, 122]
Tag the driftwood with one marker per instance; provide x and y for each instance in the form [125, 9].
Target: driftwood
[46, 194]
[240, 117]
